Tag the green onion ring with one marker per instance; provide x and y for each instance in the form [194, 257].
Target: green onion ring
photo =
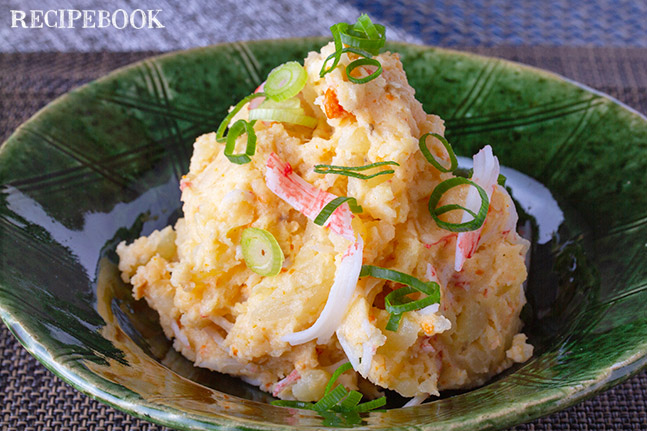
[350, 171]
[422, 143]
[338, 51]
[261, 252]
[236, 130]
[396, 301]
[343, 51]
[364, 34]
[220, 133]
[363, 62]
[285, 81]
[440, 190]
[398, 277]
[355, 39]
[332, 206]
[365, 24]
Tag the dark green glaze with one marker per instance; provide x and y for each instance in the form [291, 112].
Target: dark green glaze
[102, 163]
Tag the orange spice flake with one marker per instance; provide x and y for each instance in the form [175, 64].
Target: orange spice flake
[332, 106]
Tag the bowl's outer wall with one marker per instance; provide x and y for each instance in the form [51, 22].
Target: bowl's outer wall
[102, 164]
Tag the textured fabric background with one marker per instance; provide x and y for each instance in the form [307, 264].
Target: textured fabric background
[444, 22]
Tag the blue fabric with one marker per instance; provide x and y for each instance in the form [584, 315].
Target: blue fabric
[530, 22]
[191, 23]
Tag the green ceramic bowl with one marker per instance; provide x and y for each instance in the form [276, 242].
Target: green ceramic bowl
[101, 165]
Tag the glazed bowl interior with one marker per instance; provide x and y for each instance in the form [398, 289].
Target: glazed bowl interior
[102, 164]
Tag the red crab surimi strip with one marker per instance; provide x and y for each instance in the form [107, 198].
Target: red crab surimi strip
[306, 198]
[255, 102]
[284, 383]
[184, 183]
[486, 174]
[431, 273]
[309, 200]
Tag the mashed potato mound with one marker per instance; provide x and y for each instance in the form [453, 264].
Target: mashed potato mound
[225, 317]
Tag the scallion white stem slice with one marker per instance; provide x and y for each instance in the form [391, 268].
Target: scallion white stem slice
[286, 111]
[285, 81]
[261, 251]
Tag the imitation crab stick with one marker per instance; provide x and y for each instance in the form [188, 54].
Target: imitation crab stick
[309, 201]
[486, 174]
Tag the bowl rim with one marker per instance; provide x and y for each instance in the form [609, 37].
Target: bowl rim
[630, 366]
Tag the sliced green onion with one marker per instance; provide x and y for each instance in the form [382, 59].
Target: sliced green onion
[240, 127]
[337, 399]
[285, 81]
[364, 35]
[261, 251]
[453, 163]
[393, 323]
[338, 372]
[365, 25]
[338, 51]
[437, 194]
[342, 51]
[397, 276]
[363, 38]
[351, 400]
[222, 128]
[287, 111]
[351, 171]
[370, 405]
[363, 62]
[332, 206]
[289, 104]
[331, 399]
[396, 301]
[283, 116]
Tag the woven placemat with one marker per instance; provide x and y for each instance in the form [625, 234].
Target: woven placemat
[32, 398]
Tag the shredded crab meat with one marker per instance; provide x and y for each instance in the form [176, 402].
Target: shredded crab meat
[179, 335]
[369, 350]
[486, 174]
[309, 200]
[339, 298]
[306, 198]
[289, 380]
[416, 401]
[432, 275]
